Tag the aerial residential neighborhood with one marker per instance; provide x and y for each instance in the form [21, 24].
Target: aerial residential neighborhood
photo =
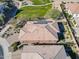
[39, 29]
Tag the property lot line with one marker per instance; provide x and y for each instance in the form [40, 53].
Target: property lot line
[37, 5]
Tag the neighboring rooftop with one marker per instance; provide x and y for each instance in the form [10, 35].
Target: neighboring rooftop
[46, 52]
[41, 52]
[43, 33]
[31, 56]
[73, 7]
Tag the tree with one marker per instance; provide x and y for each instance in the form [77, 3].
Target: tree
[15, 46]
[2, 19]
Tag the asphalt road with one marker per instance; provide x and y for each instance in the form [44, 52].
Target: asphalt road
[5, 46]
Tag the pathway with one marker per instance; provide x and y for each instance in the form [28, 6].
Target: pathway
[37, 5]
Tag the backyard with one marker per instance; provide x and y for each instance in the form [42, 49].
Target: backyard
[33, 11]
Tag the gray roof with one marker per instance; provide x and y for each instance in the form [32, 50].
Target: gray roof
[47, 51]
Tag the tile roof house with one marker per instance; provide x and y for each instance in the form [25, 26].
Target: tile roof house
[73, 9]
[41, 52]
[42, 33]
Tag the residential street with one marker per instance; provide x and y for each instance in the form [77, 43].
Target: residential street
[5, 46]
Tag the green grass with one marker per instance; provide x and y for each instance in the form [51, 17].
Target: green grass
[39, 2]
[33, 11]
[55, 14]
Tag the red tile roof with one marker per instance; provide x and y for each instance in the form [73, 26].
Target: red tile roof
[38, 32]
[73, 7]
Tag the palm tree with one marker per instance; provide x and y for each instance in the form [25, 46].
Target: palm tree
[2, 19]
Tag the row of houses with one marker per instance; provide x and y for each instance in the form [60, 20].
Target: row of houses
[41, 33]
[38, 37]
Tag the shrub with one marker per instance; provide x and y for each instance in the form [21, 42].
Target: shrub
[15, 46]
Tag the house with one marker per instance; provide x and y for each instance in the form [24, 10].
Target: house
[73, 9]
[39, 33]
[41, 52]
